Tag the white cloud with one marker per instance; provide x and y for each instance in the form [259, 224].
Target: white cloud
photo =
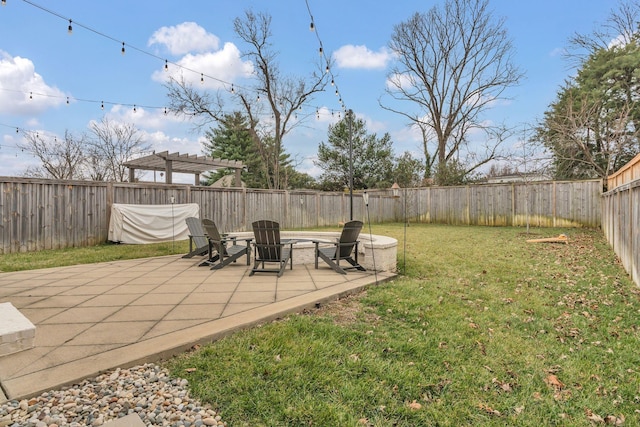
[400, 81]
[185, 38]
[154, 118]
[22, 90]
[559, 51]
[226, 65]
[350, 56]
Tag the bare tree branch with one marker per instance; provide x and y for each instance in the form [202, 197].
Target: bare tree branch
[280, 95]
[453, 64]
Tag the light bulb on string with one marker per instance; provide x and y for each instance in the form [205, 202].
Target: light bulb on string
[201, 78]
[122, 50]
[337, 94]
[333, 83]
[165, 111]
[70, 29]
[67, 100]
[320, 51]
[326, 69]
[4, 2]
[30, 95]
[166, 65]
[312, 27]
[232, 89]
[102, 105]
[134, 108]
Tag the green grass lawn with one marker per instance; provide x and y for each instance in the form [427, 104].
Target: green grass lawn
[482, 328]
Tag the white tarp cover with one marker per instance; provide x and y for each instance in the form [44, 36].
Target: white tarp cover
[139, 224]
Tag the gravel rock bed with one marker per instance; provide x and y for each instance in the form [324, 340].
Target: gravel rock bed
[146, 390]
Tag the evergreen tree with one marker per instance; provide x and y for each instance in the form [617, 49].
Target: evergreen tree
[232, 140]
[592, 127]
[372, 157]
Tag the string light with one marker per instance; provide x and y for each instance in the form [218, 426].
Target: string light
[312, 27]
[323, 55]
[70, 29]
[166, 65]
[4, 2]
[124, 45]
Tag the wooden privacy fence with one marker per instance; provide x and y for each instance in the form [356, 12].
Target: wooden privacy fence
[43, 214]
[621, 225]
[626, 174]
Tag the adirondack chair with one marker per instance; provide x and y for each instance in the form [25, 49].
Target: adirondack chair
[268, 248]
[345, 248]
[224, 254]
[198, 241]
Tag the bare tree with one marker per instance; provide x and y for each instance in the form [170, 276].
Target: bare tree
[620, 28]
[113, 144]
[278, 94]
[61, 159]
[587, 139]
[453, 64]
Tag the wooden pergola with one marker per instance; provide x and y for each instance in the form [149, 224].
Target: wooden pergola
[182, 163]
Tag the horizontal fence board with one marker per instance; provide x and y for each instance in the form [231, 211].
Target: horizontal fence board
[46, 214]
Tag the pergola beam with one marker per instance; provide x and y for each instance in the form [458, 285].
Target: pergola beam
[182, 163]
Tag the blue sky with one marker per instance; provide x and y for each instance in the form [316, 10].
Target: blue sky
[38, 56]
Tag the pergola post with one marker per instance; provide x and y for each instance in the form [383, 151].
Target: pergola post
[168, 171]
[197, 179]
[132, 174]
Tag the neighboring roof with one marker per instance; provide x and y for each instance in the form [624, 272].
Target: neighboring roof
[227, 181]
[180, 163]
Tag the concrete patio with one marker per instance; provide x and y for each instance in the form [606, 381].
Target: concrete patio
[96, 317]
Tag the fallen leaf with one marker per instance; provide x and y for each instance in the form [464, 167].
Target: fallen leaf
[554, 382]
[613, 420]
[277, 358]
[190, 370]
[363, 421]
[354, 357]
[488, 409]
[473, 325]
[595, 418]
[414, 405]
